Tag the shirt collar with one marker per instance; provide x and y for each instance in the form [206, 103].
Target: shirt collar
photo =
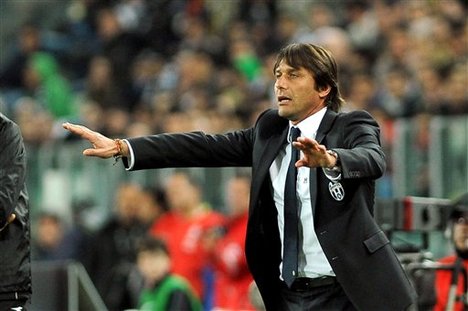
[309, 125]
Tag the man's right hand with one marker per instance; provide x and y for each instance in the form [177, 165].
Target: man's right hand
[103, 147]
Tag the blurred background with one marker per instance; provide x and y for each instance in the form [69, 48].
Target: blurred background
[136, 67]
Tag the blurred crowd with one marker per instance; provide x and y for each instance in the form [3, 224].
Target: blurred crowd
[203, 246]
[134, 67]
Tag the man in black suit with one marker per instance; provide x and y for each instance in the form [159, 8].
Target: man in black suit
[341, 259]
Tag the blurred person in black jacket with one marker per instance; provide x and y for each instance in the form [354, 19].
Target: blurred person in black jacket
[15, 272]
[112, 252]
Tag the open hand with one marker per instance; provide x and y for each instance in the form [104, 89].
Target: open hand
[313, 154]
[103, 147]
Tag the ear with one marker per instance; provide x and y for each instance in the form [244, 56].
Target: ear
[324, 91]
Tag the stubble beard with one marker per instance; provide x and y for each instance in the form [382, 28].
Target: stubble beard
[284, 113]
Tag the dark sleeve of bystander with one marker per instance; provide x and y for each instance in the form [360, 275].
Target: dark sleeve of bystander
[12, 169]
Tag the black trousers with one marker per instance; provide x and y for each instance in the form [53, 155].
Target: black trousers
[323, 298]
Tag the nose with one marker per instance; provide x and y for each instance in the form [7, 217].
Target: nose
[280, 84]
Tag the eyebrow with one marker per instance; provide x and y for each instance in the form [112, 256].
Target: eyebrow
[287, 70]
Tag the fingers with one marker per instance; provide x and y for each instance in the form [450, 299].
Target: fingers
[307, 144]
[103, 147]
[79, 130]
[302, 162]
[312, 152]
[75, 129]
[96, 153]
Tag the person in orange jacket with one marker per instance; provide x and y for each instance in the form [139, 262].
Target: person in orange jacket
[450, 284]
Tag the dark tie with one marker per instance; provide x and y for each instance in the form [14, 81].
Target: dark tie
[291, 238]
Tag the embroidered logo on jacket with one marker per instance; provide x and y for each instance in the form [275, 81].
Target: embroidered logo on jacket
[336, 190]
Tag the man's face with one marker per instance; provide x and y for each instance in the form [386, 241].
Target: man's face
[181, 194]
[460, 233]
[296, 93]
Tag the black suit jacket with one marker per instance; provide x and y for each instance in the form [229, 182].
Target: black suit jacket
[359, 252]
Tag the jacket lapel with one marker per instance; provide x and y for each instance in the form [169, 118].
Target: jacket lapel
[322, 131]
[272, 147]
[268, 154]
[325, 125]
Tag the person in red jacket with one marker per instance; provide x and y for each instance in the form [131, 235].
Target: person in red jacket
[444, 279]
[232, 276]
[183, 227]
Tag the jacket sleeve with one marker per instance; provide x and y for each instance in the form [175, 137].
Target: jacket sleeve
[362, 156]
[194, 149]
[12, 167]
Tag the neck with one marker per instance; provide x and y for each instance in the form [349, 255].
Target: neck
[192, 211]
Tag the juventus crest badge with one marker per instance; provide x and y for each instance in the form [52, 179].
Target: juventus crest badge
[336, 190]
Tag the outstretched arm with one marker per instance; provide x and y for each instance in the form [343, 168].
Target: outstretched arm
[103, 147]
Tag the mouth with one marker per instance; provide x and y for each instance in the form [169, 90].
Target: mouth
[283, 99]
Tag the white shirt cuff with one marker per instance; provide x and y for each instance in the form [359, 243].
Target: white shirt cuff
[131, 157]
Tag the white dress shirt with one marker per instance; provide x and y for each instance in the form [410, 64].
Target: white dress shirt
[312, 261]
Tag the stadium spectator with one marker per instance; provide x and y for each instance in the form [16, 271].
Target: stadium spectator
[46, 84]
[54, 240]
[183, 227]
[445, 279]
[226, 246]
[112, 252]
[162, 290]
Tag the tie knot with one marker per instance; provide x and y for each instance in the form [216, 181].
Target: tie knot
[295, 133]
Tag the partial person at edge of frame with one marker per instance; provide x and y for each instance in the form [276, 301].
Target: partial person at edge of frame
[15, 257]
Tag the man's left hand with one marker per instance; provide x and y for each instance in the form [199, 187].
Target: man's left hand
[314, 154]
